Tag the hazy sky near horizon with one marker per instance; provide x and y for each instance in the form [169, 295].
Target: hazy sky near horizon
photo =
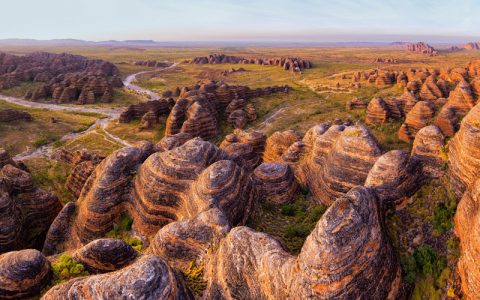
[274, 20]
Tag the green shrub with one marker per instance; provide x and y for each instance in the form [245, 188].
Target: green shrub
[288, 209]
[121, 230]
[194, 278]
[409, 267]
[66, 268]
[428, 262]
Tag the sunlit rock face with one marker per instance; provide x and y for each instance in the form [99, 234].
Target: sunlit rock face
[347, 256]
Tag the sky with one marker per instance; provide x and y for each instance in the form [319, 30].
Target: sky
[242, 20]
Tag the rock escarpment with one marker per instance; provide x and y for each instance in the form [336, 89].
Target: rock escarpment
[348, 255]
[65, 77]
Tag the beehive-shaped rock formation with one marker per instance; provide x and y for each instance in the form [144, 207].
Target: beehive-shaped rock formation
[347, 256]
[427, 148]
[419, 117]
[278, 143]
[275, 182]
[464, 153]
[394, 176]
[26, 211]
[377, 111]
[105, 255]
[148, 278]
[23, 274]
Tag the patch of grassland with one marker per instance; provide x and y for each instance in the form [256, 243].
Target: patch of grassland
[289, 223]
[131, 132]
[19, 91]
[21, 136]
[51, 175]
[96, 141]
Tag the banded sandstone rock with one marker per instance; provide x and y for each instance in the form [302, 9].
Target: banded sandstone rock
[148, 278]
[467, 229]
[23, 274]
[27, 211]
[348, 255]
[377, 111]
[394, 176]
[182, 242]
[105, 255]
[275, 182]
[420, 116]
[427, 148]
[464, 153]
[278, 143]
[12, 115]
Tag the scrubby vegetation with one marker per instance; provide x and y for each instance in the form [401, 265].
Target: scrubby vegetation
[122, 230]
[67, 268]
[194, 278]
[290, 223]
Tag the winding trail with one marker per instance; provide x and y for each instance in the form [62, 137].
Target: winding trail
[102, 123]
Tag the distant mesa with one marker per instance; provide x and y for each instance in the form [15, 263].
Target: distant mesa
[472, 46]
[65, 78]
[422, 48]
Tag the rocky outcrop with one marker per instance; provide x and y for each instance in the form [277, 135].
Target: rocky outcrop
[420, 116]
[83, 164]
[461, 100]
[347, 256]
[467, 228]
[428, 147]
[464, 153]
[275, 182]
[12, 115]
[472, 46]
[151, 63]
[101, 201]
[23, 274]
[339, 159]
[105, 255]
[148, 278]
[197, 109]
[155, 107]
[179, 183]
[287, 63]
[430, 90]
[182, 242]
[377, 111]
[355, 103]
[172, 141]
[422, 48]
[5, 158]
[394, 176]
[65, 77]
[26, 211]
[278, 143]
